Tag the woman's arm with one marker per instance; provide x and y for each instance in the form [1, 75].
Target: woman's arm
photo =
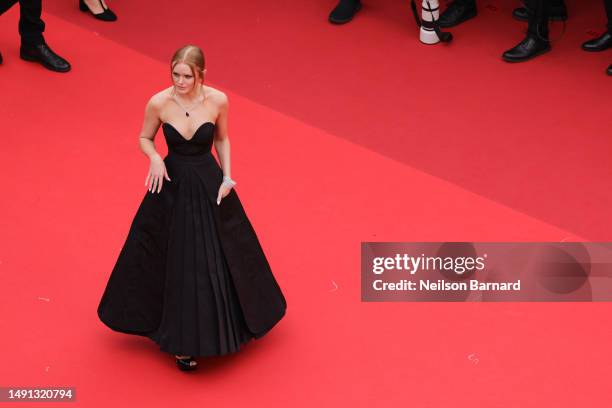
[157, 168]
[149, 128]
[221, 141]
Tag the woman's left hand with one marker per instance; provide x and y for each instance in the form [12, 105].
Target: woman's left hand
[224, 190]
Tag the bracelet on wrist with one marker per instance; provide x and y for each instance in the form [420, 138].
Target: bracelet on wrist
[228, 181]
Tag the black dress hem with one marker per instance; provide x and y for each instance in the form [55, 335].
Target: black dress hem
[148, 334]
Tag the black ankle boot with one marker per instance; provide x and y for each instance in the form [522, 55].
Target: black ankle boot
[457, 12]
[530, 47]
[344, 11]
[609, 71]
[44, 55]
[600, 43]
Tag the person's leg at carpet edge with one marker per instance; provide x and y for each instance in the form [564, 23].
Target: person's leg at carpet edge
[31, 28]
[604, 41]
[536, 41]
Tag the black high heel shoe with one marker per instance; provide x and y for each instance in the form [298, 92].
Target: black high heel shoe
[184, 364]
[106, 15]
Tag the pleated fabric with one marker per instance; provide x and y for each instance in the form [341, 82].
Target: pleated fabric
[202, 315]
[192, 275]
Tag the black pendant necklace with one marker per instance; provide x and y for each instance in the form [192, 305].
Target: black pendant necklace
[191, 107]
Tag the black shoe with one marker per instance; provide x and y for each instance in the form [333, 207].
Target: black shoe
[529, 48]
[43, 54]
[609, 71]
[185, 364]
[598, 44]
[344, 11]
[457, 12]
[557, 13]
[106, 15]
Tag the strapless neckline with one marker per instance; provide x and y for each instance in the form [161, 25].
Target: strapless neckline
[194, 133]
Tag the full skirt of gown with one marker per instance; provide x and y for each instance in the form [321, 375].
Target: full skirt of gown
[192, 275]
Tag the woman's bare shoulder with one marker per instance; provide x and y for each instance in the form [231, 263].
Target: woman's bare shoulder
[158, 100]
[216, 96]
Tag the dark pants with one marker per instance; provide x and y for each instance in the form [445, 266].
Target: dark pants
[31, 26]
[538, 11]
[608, 5]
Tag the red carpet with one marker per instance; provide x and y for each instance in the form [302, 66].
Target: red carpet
[339, 135]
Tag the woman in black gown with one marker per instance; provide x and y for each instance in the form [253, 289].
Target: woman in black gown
[191, 275]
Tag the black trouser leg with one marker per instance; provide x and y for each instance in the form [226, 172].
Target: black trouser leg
[538, 18]
[608, 5]
[557, 3]
[31, 26]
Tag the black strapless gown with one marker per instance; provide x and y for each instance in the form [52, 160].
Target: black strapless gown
[192, 275]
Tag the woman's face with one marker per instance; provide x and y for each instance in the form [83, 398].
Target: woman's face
[183, 78]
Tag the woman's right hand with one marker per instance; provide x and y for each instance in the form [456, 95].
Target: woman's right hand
[157, 173]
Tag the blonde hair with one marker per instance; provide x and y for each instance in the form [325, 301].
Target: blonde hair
[192, 56]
